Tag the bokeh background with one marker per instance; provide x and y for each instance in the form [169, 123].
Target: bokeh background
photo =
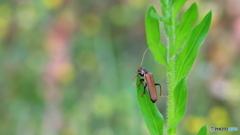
[60, 72]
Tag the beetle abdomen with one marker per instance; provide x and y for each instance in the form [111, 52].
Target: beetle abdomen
[151, 86]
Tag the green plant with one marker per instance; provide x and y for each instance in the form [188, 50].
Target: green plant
[183, 42]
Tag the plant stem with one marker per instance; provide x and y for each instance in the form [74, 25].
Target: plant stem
[171, 28]
[171, 86]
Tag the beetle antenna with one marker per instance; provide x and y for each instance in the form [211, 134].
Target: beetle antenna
[129, 65]
[143, 56]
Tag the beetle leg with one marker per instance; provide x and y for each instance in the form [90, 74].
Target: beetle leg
[139, 74]
[160, 90]
[144, 90]
[141, 81]
[135, 77]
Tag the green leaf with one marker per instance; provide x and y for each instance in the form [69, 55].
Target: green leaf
[180, 101]
[159, 52]
[163, 19]
[203, 130]
[164, 3]
[185, 26]
[151, 116]
[177, 6]
[153, 37]
[188, 55]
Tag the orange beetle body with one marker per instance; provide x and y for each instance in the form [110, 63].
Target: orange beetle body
[150, 84]
[148, 80]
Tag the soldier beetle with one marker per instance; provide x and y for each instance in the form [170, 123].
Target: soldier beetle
[148, 79]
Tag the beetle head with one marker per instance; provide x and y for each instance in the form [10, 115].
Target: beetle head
[142, 70]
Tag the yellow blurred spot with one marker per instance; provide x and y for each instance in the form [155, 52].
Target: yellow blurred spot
[5, 18]
[219, 116]
[119, 15]
[102, 106]
[233, 92]
[91, 24]
[67, 20]
[52, 3]
[193, 123]
[26, 16]
[65, 73]
[69, 130]
[87, 61]
[137, 3]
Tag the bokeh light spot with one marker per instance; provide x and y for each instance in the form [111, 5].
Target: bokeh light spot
[193, 123]
[102, 106]
[118, 15]
[233, 93]
[26, 16]
[137, 3]
[65, 72]
[219, 116]
[52, 3]
[91, 24]
[5, 18]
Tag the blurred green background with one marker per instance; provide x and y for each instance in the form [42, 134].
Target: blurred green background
[60, 72]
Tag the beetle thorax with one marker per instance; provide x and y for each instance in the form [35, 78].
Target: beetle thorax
[142, 71]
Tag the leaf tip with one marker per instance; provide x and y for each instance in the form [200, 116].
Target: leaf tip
[194, 5]
[151, 8]
[209, 14]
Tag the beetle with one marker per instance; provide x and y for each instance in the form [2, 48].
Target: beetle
[148, 79]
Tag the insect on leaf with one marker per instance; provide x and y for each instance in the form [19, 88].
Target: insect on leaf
[151, 116]
[153, 37]
[185, 26]
[188, 55]
[180, 101]
[203, 130]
